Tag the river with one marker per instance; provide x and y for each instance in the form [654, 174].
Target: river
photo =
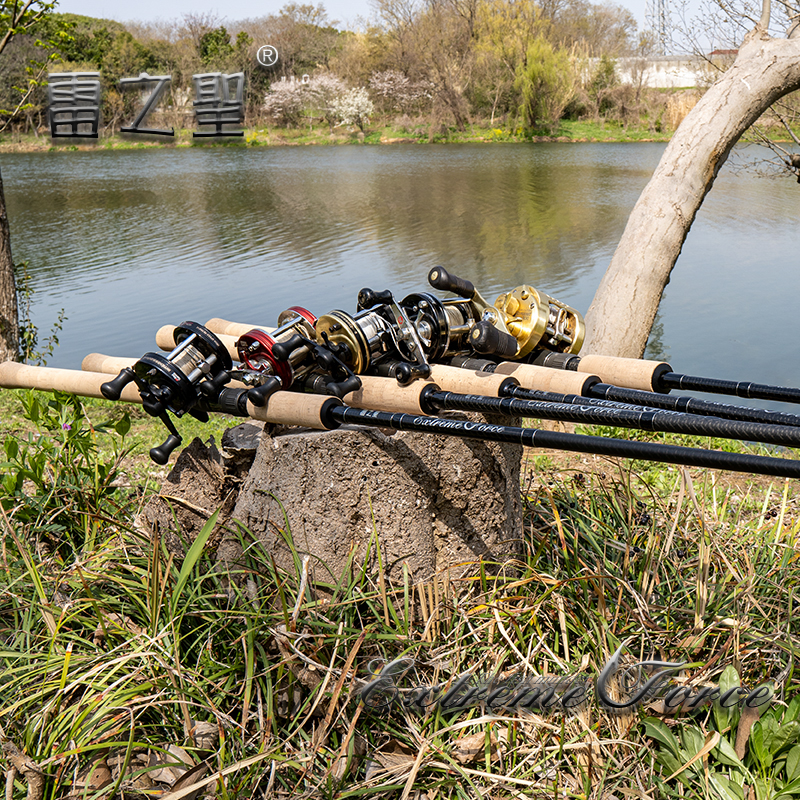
[127, 241]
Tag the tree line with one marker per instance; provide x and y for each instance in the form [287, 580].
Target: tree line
[515, 64]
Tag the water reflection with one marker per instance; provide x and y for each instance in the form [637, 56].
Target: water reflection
[128, 241]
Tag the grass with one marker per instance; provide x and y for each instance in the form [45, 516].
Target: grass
[322, 135]
[118, 661]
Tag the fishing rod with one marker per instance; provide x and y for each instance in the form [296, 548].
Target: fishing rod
[590, 388]
[327, 412]
[657, 376]
[458, 389]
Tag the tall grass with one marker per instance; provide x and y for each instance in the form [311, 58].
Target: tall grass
[127, 673]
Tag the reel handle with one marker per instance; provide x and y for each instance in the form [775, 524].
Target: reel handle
[352, 383]
[282, 350]
[258, 394]
[112, 390]
[405, 373]
[440, 278]
[488, 340]
[162, 453]
[368, 298]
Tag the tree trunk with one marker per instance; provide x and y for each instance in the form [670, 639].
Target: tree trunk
[622, 312]
[9, 318]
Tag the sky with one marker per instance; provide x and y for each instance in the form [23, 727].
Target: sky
[345, 11]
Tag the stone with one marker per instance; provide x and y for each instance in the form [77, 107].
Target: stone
[194, 489]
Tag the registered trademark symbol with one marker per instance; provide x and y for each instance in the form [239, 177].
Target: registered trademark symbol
[267, 55]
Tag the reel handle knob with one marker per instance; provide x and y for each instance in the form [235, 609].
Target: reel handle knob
[367, 298]
[112, 389]
[405, 373]
[352, 383]
[282, 350]
[488, 340]
[440, 278]
[258, 394]
[162, 453]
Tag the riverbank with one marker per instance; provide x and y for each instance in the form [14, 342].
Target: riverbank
[568, 131]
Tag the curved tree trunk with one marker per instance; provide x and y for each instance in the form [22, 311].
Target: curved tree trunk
[622, 312]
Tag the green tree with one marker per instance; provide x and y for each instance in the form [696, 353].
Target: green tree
[546, 82]
[215, 46]
[504, 32]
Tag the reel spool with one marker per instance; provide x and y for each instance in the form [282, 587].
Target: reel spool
[535, 319]
[289, 353]
[442, 325]
[196, 370]
[256, 352]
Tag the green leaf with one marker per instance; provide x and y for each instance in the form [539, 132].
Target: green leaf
[124, 425]
[672, 765]
[785, 734]
[758, 748]
[692, 740]
[726, 788]
[728, 679]
[793, 710]
[192, 557]
[11, 448]
[790, 789]
[726, 755]
[659, 731]
[793, 763]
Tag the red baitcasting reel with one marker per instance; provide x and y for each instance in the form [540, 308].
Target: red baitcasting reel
[289, 353]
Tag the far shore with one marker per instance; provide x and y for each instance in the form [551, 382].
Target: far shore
[568, 131]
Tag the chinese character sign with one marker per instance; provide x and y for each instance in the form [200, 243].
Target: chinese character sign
[146, 81]
[74, 103]
[219, 102]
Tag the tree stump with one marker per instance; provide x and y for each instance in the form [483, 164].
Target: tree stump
[429, 502]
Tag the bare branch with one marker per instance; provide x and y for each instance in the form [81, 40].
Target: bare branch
[766, 12]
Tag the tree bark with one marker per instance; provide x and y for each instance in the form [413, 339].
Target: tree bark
[622, 312]
[9, 316]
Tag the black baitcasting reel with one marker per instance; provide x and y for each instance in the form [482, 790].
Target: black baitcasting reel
[191, 375]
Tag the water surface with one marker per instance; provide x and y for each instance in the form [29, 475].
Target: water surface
[128, 241]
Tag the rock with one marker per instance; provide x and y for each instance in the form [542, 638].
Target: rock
[433, 501]
[195, 488]
[239, 446]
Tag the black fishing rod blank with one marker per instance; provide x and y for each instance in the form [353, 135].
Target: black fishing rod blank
[463, 390]
[327, 412]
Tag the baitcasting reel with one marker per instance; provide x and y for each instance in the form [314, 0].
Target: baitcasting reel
[535, 319]
[193, 373]
[287, 354]
[380, 327]
[443, 326]
[519, 321]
